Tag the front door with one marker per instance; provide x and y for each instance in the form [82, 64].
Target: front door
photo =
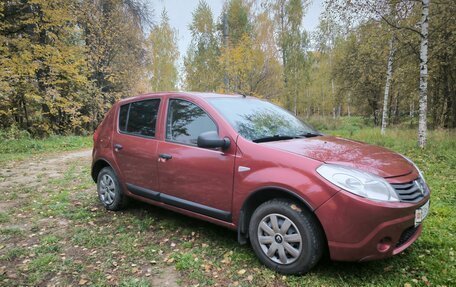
[135, 146]
[193, 178]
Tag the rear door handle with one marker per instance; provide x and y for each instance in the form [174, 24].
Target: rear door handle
[118, 147]
[165, 156]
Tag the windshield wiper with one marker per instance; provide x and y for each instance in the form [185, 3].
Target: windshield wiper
[311, 134]
[274, 138]
[286, 137]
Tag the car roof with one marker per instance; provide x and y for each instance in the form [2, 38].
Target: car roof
[190, 94]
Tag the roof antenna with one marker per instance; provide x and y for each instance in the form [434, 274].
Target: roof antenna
[241, 93]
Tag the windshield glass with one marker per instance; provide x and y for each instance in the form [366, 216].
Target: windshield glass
[256, 119]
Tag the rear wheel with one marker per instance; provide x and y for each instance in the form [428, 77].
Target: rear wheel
[109, 190]
[286, 237]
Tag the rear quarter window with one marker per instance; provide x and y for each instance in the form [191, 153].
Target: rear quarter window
[123, 117]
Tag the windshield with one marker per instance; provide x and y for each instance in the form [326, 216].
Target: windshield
[258, 120]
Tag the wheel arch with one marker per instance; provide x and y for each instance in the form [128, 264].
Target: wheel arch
[98, 166]
[257, 197]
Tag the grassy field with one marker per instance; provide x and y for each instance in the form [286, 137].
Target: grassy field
[22, 148]
[53, 231]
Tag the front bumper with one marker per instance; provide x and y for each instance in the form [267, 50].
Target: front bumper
[358, 229]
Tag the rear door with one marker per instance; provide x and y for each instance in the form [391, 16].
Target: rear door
[197, 179]
[135, 146]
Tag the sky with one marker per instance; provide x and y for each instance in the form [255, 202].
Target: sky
[180, 16]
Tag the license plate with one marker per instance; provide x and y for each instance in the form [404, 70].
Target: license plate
[421, 213]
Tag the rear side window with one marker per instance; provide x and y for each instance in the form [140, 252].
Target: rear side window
[186, 121]
[139, 118]
[123, 117]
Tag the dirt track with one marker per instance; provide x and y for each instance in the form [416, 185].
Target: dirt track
[26, 184]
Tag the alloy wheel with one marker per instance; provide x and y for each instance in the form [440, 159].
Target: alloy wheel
[107, 189]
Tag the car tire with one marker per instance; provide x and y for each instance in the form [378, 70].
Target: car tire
[109, 190]
[286, 237]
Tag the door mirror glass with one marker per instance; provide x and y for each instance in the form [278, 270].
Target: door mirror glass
[211, 140]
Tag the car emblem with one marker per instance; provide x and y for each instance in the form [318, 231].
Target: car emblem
[278, 238]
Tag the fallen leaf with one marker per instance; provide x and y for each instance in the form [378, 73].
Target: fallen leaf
[242, 271]
[82, 282]
[388, 268]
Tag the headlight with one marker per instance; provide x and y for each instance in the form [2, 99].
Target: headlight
[414, 165]
[358, 182]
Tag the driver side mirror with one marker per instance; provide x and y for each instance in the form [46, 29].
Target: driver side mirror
[212, 140]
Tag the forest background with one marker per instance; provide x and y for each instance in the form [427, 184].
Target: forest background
[388, 62]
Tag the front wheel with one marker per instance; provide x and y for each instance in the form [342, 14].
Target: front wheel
[286, 237]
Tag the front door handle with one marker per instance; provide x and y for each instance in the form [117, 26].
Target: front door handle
[165, 156]
[118, 147]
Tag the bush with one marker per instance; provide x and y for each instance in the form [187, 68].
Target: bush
[350, 124]
[14, 132]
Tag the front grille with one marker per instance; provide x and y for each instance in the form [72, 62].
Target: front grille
[406, 235]
[412, 191]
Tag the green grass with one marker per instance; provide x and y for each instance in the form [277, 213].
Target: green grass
[132, 247]
[4, 217]
[22, 148]
[13, 253]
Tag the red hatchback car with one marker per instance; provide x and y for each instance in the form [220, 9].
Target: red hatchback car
[251, 166]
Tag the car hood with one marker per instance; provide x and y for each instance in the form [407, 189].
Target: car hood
[329, 149]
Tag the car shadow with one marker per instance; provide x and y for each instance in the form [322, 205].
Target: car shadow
[228, 238]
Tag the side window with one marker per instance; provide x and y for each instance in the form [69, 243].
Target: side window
[139, 118]
[186, 121]
[123, 117]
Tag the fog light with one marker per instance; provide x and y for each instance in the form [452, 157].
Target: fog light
[384, 244]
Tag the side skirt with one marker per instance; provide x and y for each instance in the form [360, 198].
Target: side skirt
[179, 202]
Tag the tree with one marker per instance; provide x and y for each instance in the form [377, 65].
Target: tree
[328, 31]
[113, 35]
[201, 64]
[358, 71]
[163, 54]
[442, 64]
[65, 62]
[293, 42]
[249, 66]
[389, 77]
[381, 10]
[422, 124]
[43, 71]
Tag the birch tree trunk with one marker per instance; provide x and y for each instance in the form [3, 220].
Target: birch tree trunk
[422, 122]
[389, 76]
